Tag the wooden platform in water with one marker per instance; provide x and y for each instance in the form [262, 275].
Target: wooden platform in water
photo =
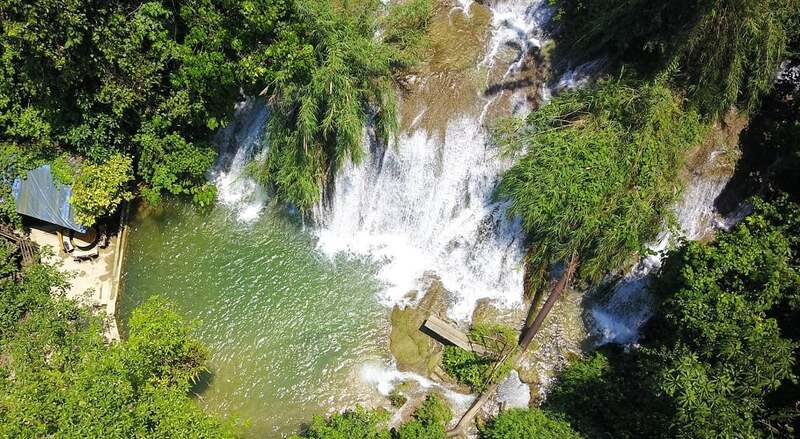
[450, 334]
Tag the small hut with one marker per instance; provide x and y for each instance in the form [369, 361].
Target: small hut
[39, 196]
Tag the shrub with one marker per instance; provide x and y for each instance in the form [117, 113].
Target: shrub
[100, 188]
[429, 420]
[722, 53]
[598, 175]
[59, 378]
[62, 170]
[532, 423]
[358, 423]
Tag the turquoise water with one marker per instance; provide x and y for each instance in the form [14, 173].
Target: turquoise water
[288, 328]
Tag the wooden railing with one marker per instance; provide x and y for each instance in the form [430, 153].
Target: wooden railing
[27, 248]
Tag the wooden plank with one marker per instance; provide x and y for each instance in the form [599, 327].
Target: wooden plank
[452, 335]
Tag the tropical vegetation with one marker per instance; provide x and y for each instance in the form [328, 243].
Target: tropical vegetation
[723, 53]
[427, 422]
[719, 358]
[123, 99]
[527, 423]
[60, 378]
[154, 80]
[479, 370]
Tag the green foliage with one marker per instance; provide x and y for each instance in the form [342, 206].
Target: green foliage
[731, 51]
[722, 52]
[719, 358]
[531, 423]
[479, 371]
[716, 326]
[62, 170]
[99, 189]
[59, 378]
[155, 80]
[328, 77]
[599, 172]
[8, 261]
[405, 29]
[429, 420]
[151, 80]
[358, 423]
[610, 394]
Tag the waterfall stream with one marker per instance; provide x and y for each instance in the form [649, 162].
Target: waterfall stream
[426, 206]
[629, 306]
[422, 206]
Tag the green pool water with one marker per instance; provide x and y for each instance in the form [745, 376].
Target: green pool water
[288, 328]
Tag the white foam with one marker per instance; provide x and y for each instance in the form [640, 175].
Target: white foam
[240, 143]
[427, 206]
[385, 377]
[513, 393]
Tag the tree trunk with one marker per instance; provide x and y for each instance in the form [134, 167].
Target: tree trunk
[534, 328]
[528, 335]
[465, 420]
[537, 300]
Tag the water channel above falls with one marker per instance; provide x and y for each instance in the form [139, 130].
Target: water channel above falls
[288, 329]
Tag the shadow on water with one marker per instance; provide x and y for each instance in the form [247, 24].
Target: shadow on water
[204, 381]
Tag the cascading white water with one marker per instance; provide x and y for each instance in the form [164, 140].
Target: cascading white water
[619, 319]
[427, 205]
[240, 143]
[519, 23]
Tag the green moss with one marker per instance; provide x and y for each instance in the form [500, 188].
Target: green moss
[413, 349]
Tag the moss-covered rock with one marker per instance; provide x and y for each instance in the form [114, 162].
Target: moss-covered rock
[414, 350]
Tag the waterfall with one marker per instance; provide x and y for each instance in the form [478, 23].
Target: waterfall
[629, 306]
[426, 206]
[239, 144]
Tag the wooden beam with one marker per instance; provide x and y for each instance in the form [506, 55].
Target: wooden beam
[452, 335]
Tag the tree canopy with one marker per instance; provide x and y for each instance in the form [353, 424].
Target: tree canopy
[154, 80]
[719, 358]
[335, 77]
[99, 188]
[598, 172]
[721, 52]
[59, 378]
[530, 423]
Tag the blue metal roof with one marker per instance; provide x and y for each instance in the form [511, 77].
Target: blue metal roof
[39, 196]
